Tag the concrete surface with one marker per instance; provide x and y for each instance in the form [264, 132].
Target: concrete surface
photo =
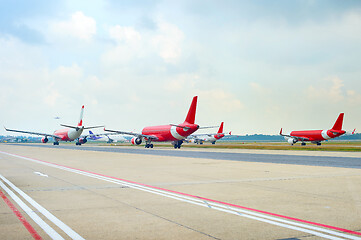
[101, 210]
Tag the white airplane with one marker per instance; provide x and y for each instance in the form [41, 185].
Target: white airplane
[207, 137]
[70, 133]
[107, 137]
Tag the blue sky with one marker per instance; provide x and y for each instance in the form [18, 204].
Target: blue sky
[256, 65]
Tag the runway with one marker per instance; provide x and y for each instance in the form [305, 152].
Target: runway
[98, 193]
[326, 161]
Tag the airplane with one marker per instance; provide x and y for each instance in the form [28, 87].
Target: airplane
[315, 136]
[105, 137]
[211, 137]
[166, 133]
[70, 133]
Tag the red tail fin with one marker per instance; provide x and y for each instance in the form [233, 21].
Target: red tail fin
[191, 116]
[338, 123]
[80, 123]
[220, 130]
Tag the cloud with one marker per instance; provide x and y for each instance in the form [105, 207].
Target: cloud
[79, 27]
[126, 34]
[220, 101]
[165, 41]
[168, 41]
[332, 90]
[259, 89]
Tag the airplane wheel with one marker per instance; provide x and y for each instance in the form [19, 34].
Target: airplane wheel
[175, 146]
[151, 146]
[146, 146]
[303, 144]
[318, 144]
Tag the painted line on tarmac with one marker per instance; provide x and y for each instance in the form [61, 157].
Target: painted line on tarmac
[49, 230]
[22, 219]
[70, 232]
[313, 228]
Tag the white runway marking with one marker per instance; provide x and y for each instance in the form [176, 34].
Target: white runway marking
[41, 174]
[298, 225]
[50, 231]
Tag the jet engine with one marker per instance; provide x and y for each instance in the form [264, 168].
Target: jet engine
[82, 140]
[291, 141]
[136, 140]
[44, 140]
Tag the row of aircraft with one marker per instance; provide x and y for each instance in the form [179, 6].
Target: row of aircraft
[176, 133]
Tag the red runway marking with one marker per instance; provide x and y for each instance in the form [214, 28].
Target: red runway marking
[210, 200]
[27, 225]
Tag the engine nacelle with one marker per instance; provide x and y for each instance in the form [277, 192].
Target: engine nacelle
[83, 140]
[291, 141]
[44, 140]
[136, 141]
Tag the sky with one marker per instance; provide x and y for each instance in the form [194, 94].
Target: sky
[257, 65]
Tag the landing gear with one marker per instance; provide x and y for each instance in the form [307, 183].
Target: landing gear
[78, 143]
[213, 142]
[303, 144]
[318, 144]
[178, 144]
[149, 145]
[55, 143]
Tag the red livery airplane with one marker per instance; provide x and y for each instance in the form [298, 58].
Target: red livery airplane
[316, 136]
[67, 134]
[207, 137]
[166, 133]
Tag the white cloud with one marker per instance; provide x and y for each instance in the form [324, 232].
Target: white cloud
[332, 90]
[79, 27]
[220, 101]
[165, 41]
[127, 34]
[259, 89]
[168, 41]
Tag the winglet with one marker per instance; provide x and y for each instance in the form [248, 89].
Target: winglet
[191, 116]
[220, 130]
[338, 123]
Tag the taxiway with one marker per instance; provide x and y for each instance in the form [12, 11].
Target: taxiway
[161, 194]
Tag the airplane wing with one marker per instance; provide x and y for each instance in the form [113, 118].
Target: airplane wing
[200, 135]
[34, 133]
[132, 133]
[294, 137]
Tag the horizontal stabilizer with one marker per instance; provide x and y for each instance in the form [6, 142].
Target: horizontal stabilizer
[93, 127]
[184, 127]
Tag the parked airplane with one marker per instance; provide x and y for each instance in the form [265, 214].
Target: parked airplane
[210, 137]
[316, 136]
[106, 137]
[166, 133]
[70, 133]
